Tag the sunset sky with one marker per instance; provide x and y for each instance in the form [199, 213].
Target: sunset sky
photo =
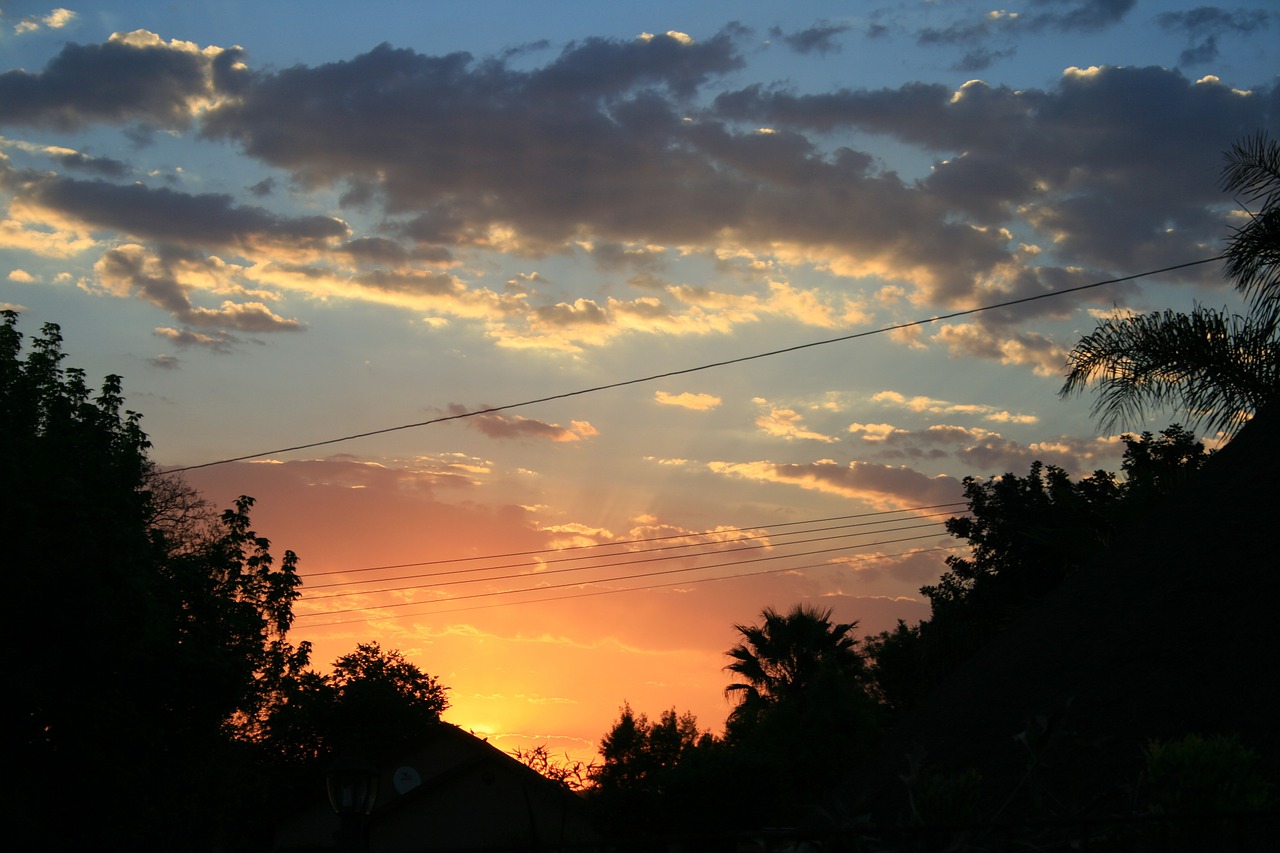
[287, 223]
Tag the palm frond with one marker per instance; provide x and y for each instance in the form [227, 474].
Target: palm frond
[1216, 369]
[1252, 173]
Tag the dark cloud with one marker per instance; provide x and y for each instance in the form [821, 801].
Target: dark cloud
[219, 342]
[1076, 15]
[1109, 169]
[820, 38]
[420, 283]
[168, 216]
[105, 166]
[1204, 24]
[264, 187]
[1040, 16]
[1134, 192]
[386, 252]
[130, 78]
[468, 144]
[516, 427]
[981, 59]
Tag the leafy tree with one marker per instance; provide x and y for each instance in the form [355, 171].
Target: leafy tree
[143, 652]
[373, 700]
[896, 668]
[646, 785]
[1218, 369]
[1025, 535]
[637, 752]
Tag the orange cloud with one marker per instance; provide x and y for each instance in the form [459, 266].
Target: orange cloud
[686, 400]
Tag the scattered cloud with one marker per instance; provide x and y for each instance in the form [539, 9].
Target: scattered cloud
[497, 425]
[1203, 26]
[933, 406]
[787, 423]
[687, 400]
[55, 20]
[882, 486]
[821, 38]
[168, 280]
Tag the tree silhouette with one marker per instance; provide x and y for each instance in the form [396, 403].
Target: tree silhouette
[1025, 535]
[1217, 369]
[375, 701]
[786, 656]
[142, 653]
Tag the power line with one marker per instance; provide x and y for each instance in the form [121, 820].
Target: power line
[598, 592]
[589, 568]
[770, 530]
[687, 370]
[567, 584]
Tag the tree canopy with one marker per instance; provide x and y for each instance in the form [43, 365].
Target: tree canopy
[148, 650]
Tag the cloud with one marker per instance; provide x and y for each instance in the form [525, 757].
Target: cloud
[788, 424]
[603, 151]
[1204, 24]
[820, 38]
[1040, 16]
[983, 452]
[168, 280]
[516, 427]
[21, 276]
[882, 486]
[55, 20]
[165, 215]
[69, 158]
[132, 77]
[220, 342]
[1027, 348]
[1014, 158]
[934, 406]
[687, 400]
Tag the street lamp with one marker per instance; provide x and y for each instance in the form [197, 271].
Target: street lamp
[352, 782]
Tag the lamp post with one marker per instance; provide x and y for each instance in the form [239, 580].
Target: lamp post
[352, 782]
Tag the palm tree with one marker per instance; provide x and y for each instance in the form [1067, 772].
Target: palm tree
[1252, 172]
[1219, 369]
[787, 656]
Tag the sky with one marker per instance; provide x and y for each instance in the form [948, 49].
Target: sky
[559, 338]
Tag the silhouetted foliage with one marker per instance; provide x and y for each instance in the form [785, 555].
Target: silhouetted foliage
[145, 652]
[896, 668]
[1025, 535]
[1217, 369]
[576, 776]
[787, 657]
[643, 786]
[374, 701]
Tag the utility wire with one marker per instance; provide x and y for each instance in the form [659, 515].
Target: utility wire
[593, 567]
[594, 593]
[567, 584]
[687, 370]
[620, 542]
[636, 556]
